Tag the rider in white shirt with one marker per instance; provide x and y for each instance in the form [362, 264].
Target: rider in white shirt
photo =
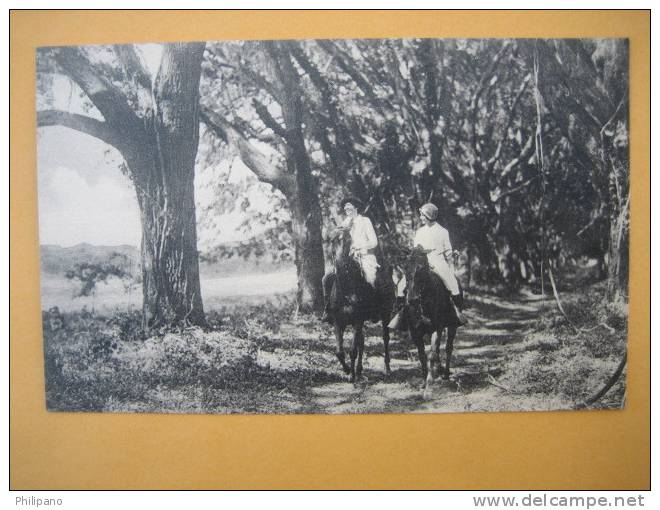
[363, 245]
[363, 241]
[434, 240]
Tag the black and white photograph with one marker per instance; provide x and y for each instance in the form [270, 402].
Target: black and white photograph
[334, 226]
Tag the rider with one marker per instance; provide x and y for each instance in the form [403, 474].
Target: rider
[363, 247]
[433, 239]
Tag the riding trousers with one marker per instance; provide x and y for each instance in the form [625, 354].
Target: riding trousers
[369, 266]
[446, 273]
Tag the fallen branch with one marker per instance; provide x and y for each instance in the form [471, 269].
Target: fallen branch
[496, 383]
[611, 381]
[599, 325]
[559, 305]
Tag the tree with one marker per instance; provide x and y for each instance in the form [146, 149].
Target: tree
[154, 124]
[584, 84]
[291, 173]
[90, 274]
[526, 157]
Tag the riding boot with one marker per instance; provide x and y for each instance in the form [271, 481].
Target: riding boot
[456, 301]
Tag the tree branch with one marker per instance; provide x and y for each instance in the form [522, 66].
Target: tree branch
[509, 120]
[516, 189]
[107, 98]
[341, 59]
[132, 66]
[341, 152]
[610, 382]
[88, 125]
[485, 82]
[525, 152]
[260, 81]
[250, 155]
[485, 78]
[268, 119]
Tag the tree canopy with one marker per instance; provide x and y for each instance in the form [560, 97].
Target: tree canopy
[522, 145]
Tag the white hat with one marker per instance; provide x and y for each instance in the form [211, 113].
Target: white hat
[430, 211]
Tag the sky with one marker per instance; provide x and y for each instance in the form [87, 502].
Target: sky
[83, 195]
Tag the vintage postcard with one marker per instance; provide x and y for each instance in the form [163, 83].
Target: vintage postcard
[334, 226]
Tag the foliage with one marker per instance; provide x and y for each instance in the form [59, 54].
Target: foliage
[557, 361]
[522, 144]
[90, 274]
[400, 122]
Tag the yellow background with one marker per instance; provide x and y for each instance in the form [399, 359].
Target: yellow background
[605, 449]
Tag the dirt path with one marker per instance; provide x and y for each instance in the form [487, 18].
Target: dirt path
[256, 358]
[304, 355]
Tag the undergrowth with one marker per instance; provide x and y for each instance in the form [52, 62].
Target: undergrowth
[573, 358]
[97, 363]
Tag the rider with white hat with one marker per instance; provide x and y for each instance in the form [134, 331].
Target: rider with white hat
[433, 239]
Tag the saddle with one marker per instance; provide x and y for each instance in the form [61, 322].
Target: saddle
[365, 299]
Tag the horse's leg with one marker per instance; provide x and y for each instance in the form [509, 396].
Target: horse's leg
[435, 353]
[354, 350]
[386, 343]
[418, 339]
[451, 334]
[339, 337]
[359, 333]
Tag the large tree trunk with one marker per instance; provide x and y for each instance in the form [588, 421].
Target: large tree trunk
[169, 228]
[170, 269]
[304, 201]
[155, 126]
[164, 175]
[306, 226]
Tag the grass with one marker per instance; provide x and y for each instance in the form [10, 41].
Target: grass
[257, 356]
[558, 360]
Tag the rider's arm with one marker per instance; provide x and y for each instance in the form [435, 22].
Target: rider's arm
[371, 241]
[445, 247]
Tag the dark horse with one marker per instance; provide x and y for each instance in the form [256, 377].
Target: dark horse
[427, 298]
[353, 301]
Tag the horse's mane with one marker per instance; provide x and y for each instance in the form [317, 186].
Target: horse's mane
[421, 279]
[347, 270]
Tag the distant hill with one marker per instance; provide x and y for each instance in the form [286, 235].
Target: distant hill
[57, 260]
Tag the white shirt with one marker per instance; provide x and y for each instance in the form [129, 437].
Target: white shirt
[363, 235]
[435, 238]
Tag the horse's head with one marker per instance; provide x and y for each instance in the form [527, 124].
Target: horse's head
[341, 253]
[341, 245]
[416, 274]
[416, 269]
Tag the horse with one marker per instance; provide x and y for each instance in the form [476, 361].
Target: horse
[427, 298]
[353, 301]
